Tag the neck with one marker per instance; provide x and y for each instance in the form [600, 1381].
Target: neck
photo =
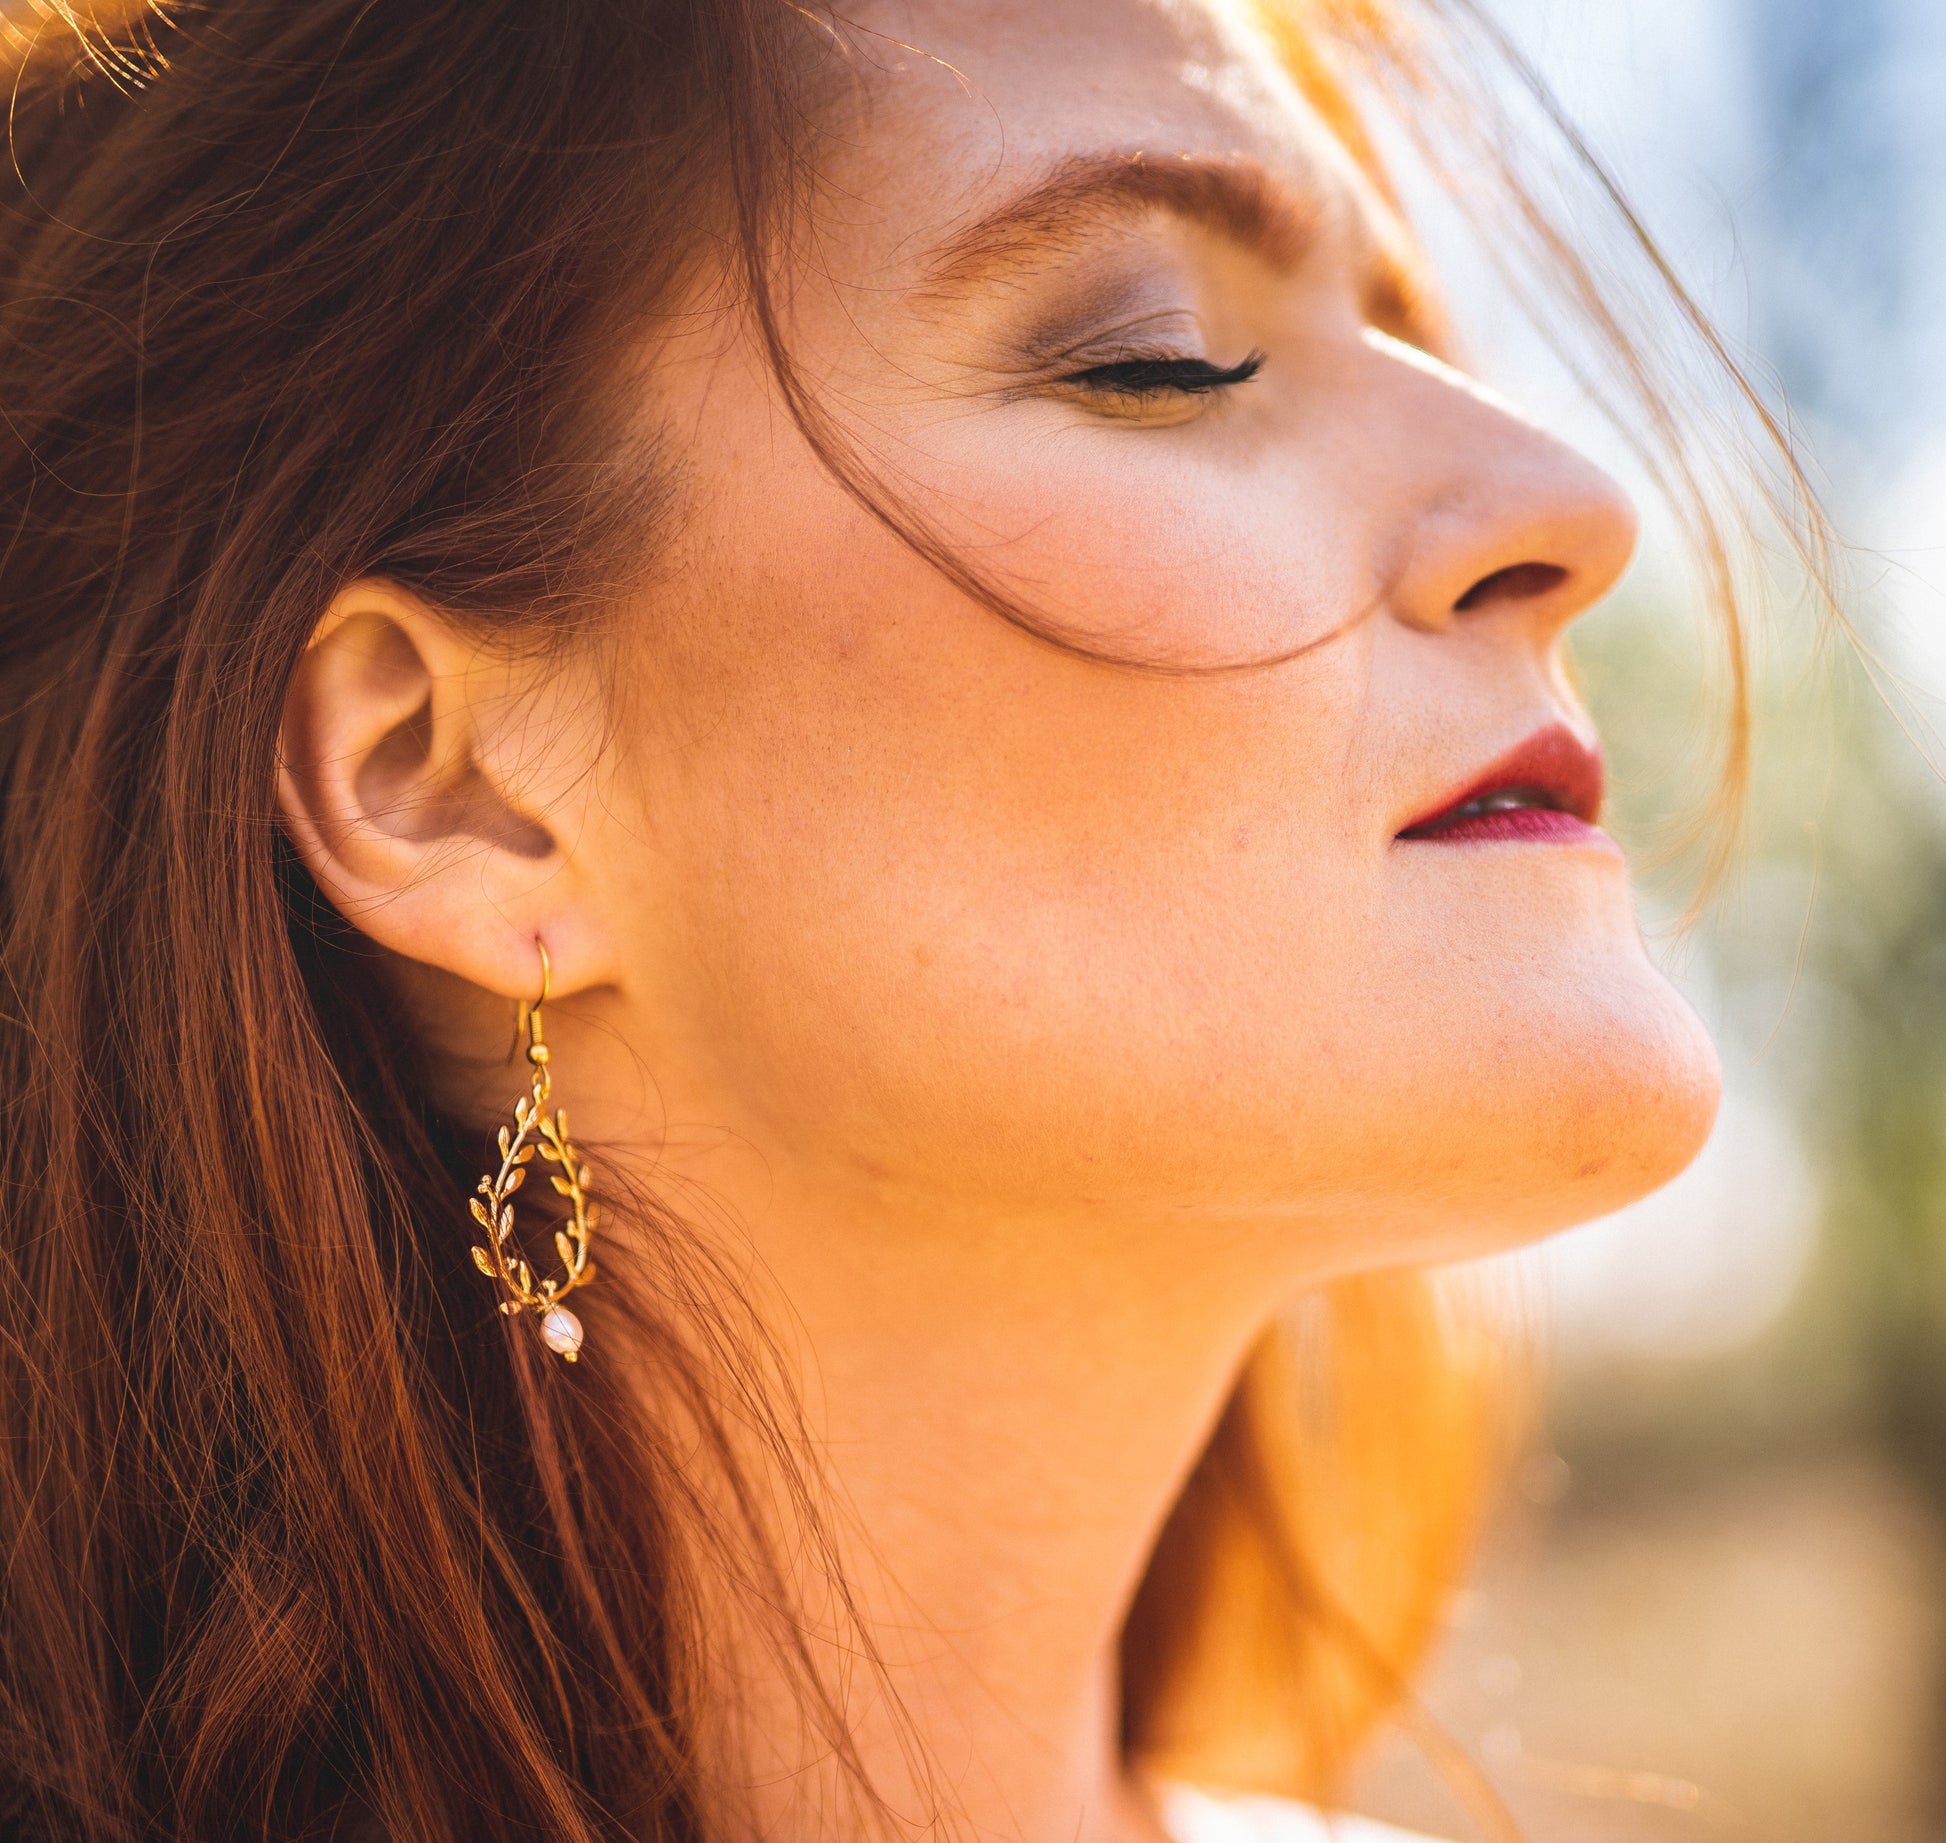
[1002, 1407]
[1003, 1411]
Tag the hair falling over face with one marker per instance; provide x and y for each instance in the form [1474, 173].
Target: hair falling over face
[303, 1533]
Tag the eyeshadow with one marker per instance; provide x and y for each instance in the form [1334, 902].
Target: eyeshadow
[1100, 297]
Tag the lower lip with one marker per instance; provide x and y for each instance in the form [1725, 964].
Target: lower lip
[1533, 825]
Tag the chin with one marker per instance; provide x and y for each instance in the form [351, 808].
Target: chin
[1556, 1074]
[1607, 1105]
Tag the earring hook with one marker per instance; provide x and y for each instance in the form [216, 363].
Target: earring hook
[528, 1019]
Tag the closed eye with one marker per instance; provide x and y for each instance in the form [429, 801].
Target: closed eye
[1153, 377]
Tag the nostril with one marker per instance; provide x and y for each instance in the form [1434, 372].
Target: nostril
[1518, 582]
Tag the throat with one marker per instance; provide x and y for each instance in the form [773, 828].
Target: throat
[997, 1446]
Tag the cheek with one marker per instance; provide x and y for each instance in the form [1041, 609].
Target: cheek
[958, 905]
[960, 911]
[1189, 547]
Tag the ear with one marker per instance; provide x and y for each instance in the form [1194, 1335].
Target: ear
[428, 781]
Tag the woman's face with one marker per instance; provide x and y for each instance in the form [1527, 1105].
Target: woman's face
[917, 902]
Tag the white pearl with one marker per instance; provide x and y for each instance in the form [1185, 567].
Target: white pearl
[561, 1332]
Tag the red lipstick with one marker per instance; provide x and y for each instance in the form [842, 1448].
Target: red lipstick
[1545, 790]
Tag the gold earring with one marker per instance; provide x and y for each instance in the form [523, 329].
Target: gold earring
[537, 1130]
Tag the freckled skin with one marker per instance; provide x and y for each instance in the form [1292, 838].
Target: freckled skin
[1029, 1027]
[969, 914]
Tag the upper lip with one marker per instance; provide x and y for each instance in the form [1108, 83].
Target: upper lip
[1554, 767]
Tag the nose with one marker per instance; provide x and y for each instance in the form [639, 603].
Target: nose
[1501, 519]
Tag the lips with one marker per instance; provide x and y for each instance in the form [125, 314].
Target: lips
[1547, 790]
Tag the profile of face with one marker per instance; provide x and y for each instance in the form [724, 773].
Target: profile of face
[1258, 886]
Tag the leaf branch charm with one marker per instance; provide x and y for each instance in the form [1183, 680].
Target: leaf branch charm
[537, 1132]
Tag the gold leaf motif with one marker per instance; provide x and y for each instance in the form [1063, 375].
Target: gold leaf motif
[535, 1132]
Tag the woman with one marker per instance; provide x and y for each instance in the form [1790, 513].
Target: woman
[914, 578]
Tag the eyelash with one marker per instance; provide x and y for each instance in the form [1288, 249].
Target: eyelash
[1150, 377]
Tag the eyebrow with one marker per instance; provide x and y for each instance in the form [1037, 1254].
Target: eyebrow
[1236, 197]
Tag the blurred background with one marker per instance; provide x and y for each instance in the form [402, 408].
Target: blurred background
[1713, 1607]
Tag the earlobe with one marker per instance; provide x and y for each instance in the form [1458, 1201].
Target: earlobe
[397, 784]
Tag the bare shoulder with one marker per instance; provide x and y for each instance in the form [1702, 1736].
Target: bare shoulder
[1193, 1816]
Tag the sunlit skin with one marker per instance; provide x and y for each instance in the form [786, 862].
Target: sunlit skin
[1036, 1025]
